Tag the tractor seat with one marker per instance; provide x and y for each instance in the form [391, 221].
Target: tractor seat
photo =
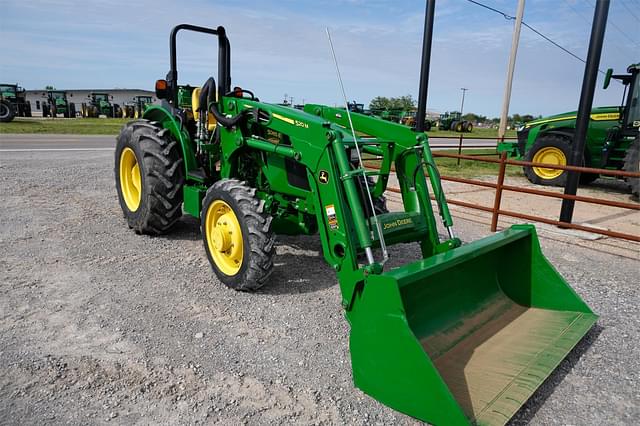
[195, 104]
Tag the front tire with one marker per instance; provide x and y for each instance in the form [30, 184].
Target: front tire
[149, 177]
[237, 235]
[550, 149]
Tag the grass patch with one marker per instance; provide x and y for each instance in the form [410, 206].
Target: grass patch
[65, 126]
[466, 168]
[470, 168]
[476, 133]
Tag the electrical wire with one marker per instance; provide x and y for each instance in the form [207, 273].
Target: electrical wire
[510, 18]
[624, 4]
[616, 27]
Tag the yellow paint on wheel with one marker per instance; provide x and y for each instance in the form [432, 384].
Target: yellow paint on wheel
[549, 155]
[130, 180]
[224, 237]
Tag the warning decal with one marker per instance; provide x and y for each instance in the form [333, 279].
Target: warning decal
[332, 220]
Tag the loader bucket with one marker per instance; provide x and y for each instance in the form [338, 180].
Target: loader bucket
[466, 336]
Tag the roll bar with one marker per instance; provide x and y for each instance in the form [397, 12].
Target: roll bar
[224, 59]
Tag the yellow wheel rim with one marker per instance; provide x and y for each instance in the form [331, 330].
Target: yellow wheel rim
[224, 237]
[549, 155]
[136, 114]
[130, 180]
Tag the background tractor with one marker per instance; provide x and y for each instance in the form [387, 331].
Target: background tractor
[453, 121]
[136, 107]
[99, 104]
[612, 138]
[58, 103]
[464, 334]
[13, 103]
[140, 104]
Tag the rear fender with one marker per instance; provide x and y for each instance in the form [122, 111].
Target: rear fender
[172, 123]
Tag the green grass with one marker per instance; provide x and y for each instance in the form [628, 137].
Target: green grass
[476, 133]
[75, 126]
[467, 168]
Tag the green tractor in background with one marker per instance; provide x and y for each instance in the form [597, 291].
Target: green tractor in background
[136, 107]
[453, 121]
[463, 335]
[100, 104]
[13, 103]
[612, 138]
[58, 103]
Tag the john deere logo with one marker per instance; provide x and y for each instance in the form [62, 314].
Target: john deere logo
[323, 177]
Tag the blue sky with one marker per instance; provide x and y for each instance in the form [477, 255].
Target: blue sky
[280, 47]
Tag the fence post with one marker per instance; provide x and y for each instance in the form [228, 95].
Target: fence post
[499, 184]
[459, 148]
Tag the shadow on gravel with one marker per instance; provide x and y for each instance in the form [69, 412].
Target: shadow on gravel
[617, 186]
[187, 228]
[299, 267]
[528, 411]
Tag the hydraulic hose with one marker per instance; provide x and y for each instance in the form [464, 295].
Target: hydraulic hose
[208, 97]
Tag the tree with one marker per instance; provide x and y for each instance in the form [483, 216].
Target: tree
[399, 103]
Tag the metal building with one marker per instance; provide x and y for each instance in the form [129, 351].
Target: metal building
[80, 96]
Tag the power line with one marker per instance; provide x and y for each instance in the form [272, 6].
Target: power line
[509, 17]
[616, 27]
[588, 21]
[629, 10]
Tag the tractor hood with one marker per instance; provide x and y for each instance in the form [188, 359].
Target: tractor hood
[607, 113]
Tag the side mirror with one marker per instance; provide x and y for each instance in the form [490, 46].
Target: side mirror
[607, 78]
[162, 91]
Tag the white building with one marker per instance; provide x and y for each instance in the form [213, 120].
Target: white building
[80, 96]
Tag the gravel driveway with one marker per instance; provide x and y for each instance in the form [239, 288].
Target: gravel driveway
[100, 325]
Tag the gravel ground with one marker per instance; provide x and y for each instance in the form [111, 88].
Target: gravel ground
[100, 325]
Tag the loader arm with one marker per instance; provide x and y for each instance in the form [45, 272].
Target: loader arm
[322, 147]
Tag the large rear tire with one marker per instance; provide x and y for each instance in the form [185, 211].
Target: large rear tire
[237, 235]
[149, 177]
[7, 113]
[632, 164]
[550, 149]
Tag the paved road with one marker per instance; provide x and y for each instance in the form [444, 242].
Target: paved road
[48, 142]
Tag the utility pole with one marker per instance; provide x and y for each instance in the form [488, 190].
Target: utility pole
[592, 65]
[425, 64]
[464, 90]
[512, 65]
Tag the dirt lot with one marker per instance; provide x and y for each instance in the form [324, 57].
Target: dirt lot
[99, 325]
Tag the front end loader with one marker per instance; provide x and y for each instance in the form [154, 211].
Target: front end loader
[464, 335]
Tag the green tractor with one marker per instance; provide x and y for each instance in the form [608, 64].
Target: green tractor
[136, 107]
[100, 104]
[58, 103]
[13, 103]
[464, 334]
[612, 138]
[453, 121]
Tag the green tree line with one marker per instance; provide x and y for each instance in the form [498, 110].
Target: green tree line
[407, 102]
